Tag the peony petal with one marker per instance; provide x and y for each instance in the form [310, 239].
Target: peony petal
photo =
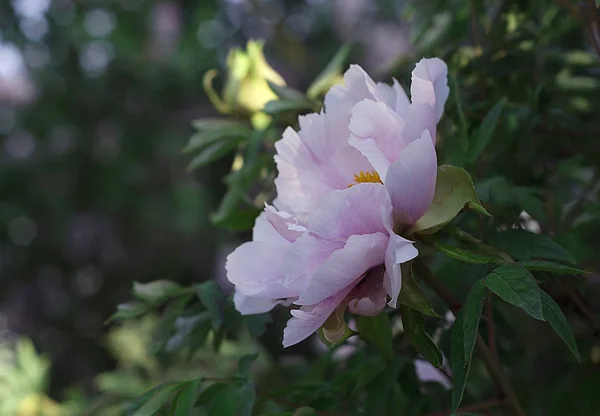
[410, 181]
[284, 223]
[399, 250]
[354, 210]
[430, 84]
[376, 131]
[250, 305]
[255, 268]
[369, 296]
[394, 96]
[306, 320]
[345, 266]
[304, 257]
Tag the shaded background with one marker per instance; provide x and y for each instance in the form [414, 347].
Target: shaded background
[96, 100]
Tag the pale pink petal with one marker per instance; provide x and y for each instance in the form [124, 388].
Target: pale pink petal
[410, 181]
[430, 84]
[354, 210]
[308, 319]
[304, 257]
[345, 266]
[399, 250]
[284, 223]
[357, 86]
[369, 296]
[250, 305]
[376, 131]
[394, 96]
[255, 269]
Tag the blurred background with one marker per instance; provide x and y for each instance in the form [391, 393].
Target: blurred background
[96, 103]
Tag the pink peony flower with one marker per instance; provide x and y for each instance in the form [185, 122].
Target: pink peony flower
[333, 243]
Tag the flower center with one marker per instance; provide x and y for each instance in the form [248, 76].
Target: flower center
[363, 177]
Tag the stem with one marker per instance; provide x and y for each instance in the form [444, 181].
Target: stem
[491, 364]
[487, 405]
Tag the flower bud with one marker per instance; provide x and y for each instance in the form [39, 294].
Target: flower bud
[246, 88]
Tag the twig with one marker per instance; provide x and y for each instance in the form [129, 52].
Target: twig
[491, 364]
[487, 405]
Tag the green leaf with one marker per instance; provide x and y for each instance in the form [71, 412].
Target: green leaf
[486, 131]
[245, 363]
[454, 191]
[236, 399]
[471, 315]
[234, 215]
[380, 389]
[463, 255]
[129, 310]
[514, 284]
[286, 93]
[256, 324]
[414, 328]
[377, 331]
[216, 124]
[152, 401]
[212, 298]
[556, 319]
[213, 152]
[460, 365]
[411, 294]
[330, 74]
[157, 292]
[166, 325]
[550, 267]
[524, 245]
[232, 132]
[209, 393]
[283, 106]
[187, 398]
[305, 411]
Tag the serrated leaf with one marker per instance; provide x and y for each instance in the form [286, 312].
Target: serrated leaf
[186, 398]
[463, 255]
[471, 316]
[213, 152]
[158, 291]
[212, 298]
[411, 293]
[414, 328]
[454, 192]
[485, 131]
[460, 366]
[514, 284]
[557, 320]
[550, 267]
[152, 401]
[525, 245]
[377, 331]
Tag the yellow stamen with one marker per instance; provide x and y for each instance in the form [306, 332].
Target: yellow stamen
[363, 177]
